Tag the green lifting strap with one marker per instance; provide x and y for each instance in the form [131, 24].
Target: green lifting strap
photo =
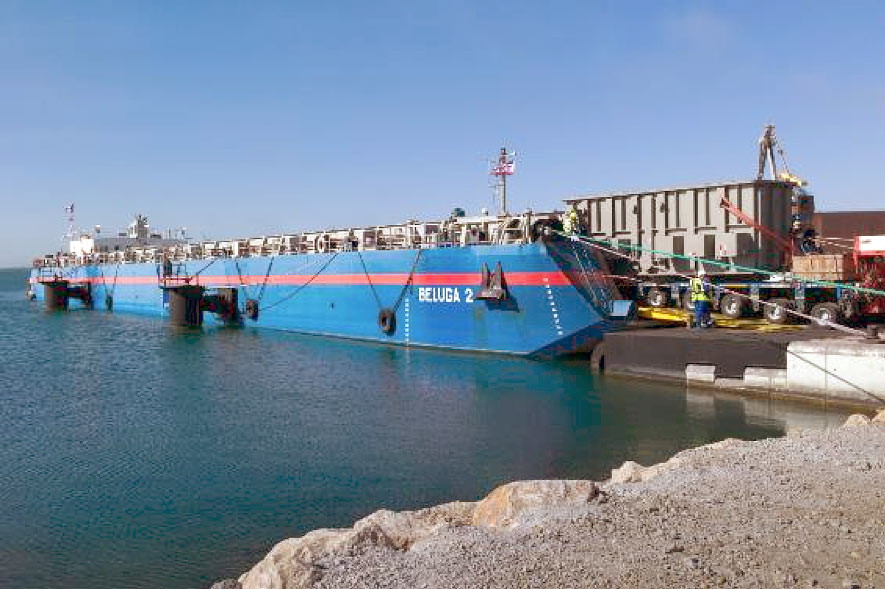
[640, 248]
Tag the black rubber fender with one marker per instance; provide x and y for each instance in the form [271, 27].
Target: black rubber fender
[252, 309]
[387, 320]
[597, 358]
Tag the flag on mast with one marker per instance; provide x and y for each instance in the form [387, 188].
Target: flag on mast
[505, 166]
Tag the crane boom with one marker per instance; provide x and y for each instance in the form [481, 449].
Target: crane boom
[785, 244]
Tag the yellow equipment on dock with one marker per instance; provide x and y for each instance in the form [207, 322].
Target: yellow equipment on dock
[671, 315]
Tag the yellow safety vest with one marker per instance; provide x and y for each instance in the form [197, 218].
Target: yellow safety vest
[698, 293]
[570, 222]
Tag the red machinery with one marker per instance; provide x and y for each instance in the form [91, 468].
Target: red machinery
[869, 261]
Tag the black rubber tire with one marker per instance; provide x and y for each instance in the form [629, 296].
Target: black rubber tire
[732, 305]
[687, 303]
[252, 309]
[774, 311]
[849, 310]
[387, 320]
[826, 311]
[657, 297]
[597, 358]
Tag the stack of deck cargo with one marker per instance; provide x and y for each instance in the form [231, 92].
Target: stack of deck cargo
[691, 220]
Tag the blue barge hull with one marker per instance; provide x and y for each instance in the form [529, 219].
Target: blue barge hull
[558, 300]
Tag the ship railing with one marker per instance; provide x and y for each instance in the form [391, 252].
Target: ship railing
[454, 232]
[291, 243]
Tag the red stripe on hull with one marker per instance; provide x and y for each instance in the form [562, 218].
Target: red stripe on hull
[460, 279]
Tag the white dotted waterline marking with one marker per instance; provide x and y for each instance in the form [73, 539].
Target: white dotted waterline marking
[556, 325]
[406, 313]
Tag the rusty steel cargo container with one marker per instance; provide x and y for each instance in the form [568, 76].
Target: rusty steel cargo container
[691, 220]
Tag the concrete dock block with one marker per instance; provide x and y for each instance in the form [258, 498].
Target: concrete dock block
[765, 378]
[705, 373]
[845, 368]
[730, 383]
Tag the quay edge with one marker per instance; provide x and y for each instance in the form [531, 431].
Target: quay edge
[808, 364]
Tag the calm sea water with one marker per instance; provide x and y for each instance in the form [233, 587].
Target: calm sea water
[132, 455]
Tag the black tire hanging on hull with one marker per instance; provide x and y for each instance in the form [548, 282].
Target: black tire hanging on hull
[597, 358]
[387, 320]
[252, 309]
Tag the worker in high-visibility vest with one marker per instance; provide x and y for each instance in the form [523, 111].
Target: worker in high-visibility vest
[700, 298]
[570, 220]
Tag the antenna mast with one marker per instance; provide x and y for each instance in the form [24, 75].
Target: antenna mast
[503, 167]
[69, 210]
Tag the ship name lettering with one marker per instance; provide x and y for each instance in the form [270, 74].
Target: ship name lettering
[443, 294]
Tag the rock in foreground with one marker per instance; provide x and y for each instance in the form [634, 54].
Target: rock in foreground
[806, 510]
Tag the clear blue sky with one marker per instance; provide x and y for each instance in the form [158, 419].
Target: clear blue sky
[236, 118]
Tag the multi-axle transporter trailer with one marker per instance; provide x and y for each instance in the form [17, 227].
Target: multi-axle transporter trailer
[774, 299]
[824, 288]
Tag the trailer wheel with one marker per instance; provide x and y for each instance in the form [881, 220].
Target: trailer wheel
[656, 297]
[731, 305]
[776, 311]
[826, 313]
[849, 309]
[687, 303]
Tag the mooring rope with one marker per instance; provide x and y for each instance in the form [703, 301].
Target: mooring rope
[240, 278]
[369, 280]
[302, 286]
[263, 284]
[266, 278]
[204, 268]
[402, 293]
[103, 283]
[114, 283]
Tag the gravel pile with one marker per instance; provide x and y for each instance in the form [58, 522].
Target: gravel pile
[807, 510]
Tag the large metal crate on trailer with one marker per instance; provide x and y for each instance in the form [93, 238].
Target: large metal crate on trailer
[829, 267]
[692, 221]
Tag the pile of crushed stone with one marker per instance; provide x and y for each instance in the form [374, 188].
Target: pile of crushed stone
[805, 510]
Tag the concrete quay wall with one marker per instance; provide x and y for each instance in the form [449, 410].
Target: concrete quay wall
[849, 369]
[812, 365]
